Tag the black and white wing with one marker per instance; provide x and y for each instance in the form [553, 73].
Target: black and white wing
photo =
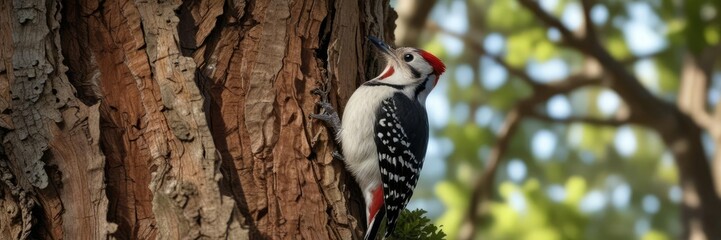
[401, 137]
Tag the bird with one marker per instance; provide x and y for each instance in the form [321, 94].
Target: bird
[384, 131]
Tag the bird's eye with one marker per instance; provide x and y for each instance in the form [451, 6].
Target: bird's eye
[408, 57]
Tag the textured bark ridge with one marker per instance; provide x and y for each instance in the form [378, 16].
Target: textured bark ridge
[178, 120]
[50, 138]
[263, 60]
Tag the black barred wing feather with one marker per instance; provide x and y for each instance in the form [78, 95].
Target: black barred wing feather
[401, 137]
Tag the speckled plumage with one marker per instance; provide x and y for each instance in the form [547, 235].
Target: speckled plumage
[384, 132]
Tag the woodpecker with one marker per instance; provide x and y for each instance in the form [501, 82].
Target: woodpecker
[384, 132]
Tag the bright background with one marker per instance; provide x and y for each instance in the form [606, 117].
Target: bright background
[556, 180]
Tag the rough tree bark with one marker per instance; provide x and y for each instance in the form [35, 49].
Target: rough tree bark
[169, 119]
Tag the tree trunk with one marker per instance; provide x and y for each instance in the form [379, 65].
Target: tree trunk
[701, 208]
[168, 119]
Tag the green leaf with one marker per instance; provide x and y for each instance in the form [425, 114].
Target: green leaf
[675, 29]
[522, 46]
[498, 15]
[654, 235]
[435, 47]
[711, 34]
[617, 47]
[414, 225]
[545, 50]
[667, 172]
[695, 38]
[575, 190]
[454, 198]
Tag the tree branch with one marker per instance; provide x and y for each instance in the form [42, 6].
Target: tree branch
[483, 185]
[675, 128]
[551, 21]
[588, 22]
[478, 48]
[692, 92]
[412, 16]
[717, 118]
[569, 84]
[635, 58]
[576, 119]
[655, 111]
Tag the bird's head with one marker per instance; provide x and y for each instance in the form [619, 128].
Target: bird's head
[407, 66]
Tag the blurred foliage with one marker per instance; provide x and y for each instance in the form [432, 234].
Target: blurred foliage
[596, 182]
[414, 225]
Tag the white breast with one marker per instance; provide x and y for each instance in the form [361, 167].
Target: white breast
[357, 138]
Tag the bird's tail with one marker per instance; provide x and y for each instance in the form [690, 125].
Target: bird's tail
[375, 225]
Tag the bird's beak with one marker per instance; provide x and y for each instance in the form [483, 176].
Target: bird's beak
[382, 47]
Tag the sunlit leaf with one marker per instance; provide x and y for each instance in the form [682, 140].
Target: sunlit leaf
[575, 189]
[520, 49]
[712, 34]
[668, 75]
[618, 47]
[654, 235]
[498, 15]
[675, 29]
[435, 46]
[542, 233]
[455, 200]
[545, 50]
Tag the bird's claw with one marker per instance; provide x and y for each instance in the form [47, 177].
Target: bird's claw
[338, 155]
[320, 92]
[327, 107]
[328, 114]
[325, 117]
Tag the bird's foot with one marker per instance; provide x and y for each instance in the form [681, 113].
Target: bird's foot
[338, 155]
[328, 114]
